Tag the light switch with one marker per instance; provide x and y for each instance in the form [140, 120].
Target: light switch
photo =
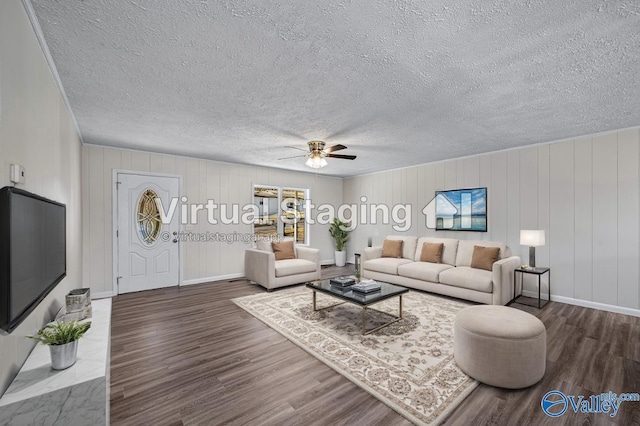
[17, 173]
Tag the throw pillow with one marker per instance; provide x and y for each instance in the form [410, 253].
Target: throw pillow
[283, 250]
[264, 244]
[484, 257]
[392, 248]
[432, 252]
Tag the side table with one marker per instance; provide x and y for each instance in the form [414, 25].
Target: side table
[539, 271]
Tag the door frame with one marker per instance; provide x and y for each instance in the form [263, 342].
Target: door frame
[114, 224]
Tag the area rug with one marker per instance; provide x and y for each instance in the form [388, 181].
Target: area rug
[408, 365]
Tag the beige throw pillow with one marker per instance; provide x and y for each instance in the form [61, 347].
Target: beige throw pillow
[283, 250]
[392, 248]
[484, 257]
[432, 252]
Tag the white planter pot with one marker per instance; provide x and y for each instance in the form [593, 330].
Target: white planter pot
[63, 356]
[341, 258]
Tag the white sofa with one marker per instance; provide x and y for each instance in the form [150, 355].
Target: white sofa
[453, 277]
[261, 266]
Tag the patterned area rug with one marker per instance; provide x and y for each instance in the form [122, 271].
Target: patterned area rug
[408, 365]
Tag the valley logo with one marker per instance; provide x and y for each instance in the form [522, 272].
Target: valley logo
[556, 403]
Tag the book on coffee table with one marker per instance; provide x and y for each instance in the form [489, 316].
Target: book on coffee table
[366, 286]
[343, 281]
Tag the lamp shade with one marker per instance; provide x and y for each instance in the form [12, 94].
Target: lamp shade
[532, 238]
[316, 161]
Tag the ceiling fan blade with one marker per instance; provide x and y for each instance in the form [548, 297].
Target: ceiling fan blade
[295, 156]
[295, 147]
[334, 148]
[344, 157]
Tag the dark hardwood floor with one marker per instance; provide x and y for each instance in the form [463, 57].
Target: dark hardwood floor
[190, 356]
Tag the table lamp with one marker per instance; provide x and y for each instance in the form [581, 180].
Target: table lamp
[533, 239]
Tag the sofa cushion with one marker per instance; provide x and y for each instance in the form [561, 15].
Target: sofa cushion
[283, 250]
[449, 250]
[424, 271]
[392, 248]
[385, 265]
[484, 257]
[466, 277]
[465, 250]
[287, 267]
[431, 252]
[264, 244]
[408, 245]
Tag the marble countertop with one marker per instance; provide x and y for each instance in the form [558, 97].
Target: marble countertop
[36, 377]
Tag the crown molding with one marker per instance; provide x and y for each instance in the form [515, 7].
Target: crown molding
[28, 7]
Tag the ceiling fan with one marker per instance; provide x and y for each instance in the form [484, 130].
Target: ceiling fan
[318, 153]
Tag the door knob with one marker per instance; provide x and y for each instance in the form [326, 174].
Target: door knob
[175, 240]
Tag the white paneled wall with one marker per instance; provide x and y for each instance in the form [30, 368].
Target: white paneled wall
[37, 132]
[583, 192]
[201, 180]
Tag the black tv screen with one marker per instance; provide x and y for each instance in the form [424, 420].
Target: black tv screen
[32, 252]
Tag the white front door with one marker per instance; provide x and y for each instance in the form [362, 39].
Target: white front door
[148, 255]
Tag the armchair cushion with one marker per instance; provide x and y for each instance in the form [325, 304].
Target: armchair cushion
[264, 244]
[287, 267]
[283, 250]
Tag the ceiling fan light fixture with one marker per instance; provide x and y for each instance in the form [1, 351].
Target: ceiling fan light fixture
[316, 161]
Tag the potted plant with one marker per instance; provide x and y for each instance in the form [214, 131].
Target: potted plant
[340, 234]
[62, 339]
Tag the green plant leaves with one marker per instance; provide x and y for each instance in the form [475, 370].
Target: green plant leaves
[61, 333]
[339, 233]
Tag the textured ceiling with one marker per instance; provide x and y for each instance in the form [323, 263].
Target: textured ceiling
[399, 82]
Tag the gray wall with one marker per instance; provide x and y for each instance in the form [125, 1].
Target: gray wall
[583, 192]
[225, 183]
[36, 131]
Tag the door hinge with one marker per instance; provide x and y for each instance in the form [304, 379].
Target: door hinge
[117, 234]
[118, 280]
[117, 183]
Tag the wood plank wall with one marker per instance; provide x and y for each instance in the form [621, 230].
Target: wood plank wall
[201, 180]
[583, 192]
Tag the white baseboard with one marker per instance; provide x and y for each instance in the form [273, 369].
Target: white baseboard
[102, 295]
[587, 304]
[107, 294]
[210, 279]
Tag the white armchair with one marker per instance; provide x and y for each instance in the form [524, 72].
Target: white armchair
[261, 266]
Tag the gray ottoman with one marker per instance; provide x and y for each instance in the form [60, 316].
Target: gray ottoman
[500, 346]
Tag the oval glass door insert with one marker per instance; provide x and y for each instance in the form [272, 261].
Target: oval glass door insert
[148, 217]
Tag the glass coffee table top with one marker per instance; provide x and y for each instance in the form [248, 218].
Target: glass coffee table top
[363, 299]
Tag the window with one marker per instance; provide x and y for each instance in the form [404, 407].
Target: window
[148, 217]
[282, 211]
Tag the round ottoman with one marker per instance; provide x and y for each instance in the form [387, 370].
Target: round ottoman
[500, 346]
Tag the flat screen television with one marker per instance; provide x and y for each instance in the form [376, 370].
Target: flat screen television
[461, 210]
[32, 253]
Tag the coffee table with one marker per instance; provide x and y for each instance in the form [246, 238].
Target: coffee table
[387, 291]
